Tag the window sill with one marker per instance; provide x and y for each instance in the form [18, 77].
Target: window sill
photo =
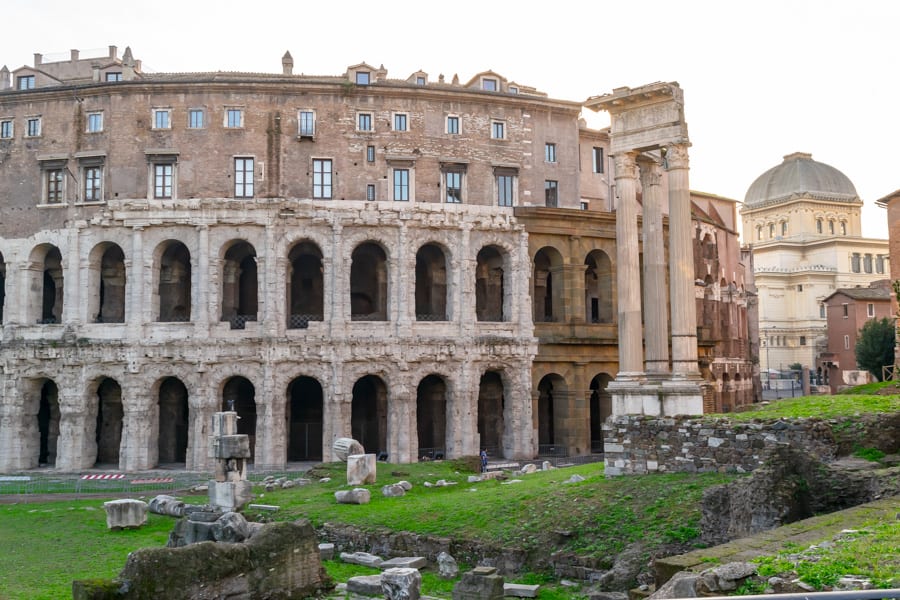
[90, 203]
[53, 205]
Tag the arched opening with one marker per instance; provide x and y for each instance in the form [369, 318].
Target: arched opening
[490, 413]
[48, 424]
[368, 283]
[239, 285]
[306, 291]
[108, 306]
[109, 422]
[304, 416]
[710, 250]
[174, 419]
[431, 416]
[552, 395]
[175, 283]
[239, 395]
[489, 285]
[52, 287]
[598, 287]
[547, 280]
[601, 408]
[368, 414]
[431, 284]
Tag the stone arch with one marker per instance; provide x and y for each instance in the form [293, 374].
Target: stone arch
[174, 421]
[239, 395]
[47, 417]
[598, 287]
[305, 285]
[368, 413]
[240, 284]
[369, 283]
[110, 415]
[431, 416]
[491, 285]
[601, 408]
[431, 283]
[174, 290]
[552, 395]
[491, 406]
[304, 418]
[47, 307]
[106, 281]
[548, 289]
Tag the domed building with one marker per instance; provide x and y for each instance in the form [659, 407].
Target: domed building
[802, 218]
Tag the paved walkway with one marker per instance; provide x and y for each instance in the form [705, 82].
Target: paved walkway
[804, 533]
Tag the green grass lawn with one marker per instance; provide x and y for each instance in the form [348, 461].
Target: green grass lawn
[824, 407]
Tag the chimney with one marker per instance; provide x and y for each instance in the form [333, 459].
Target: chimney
[95, 71]
[287, 63]
[4, 79]
[127, 65]
[113, 52]
[38, 59]
[74, 55]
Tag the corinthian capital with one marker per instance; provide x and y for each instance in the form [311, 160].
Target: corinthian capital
[626, 165]
[677, 156]
[650, 173]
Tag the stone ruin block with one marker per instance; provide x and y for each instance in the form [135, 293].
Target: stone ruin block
[354, 496]
[125, 513]
[224, 423]
[481, 583]
[401, 584]
[232, 469]
[344, 447]
[231, 446]
[361, 469]
[230, 495]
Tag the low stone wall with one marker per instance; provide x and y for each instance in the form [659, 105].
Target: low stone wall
[635, 444]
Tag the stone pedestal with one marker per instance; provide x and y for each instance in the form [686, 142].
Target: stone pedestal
[125, 513]
[361, 469]
[481, 583]
[230, 490]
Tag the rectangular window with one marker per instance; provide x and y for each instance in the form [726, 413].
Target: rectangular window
[307, 123]
[370, 153]
[370, 191]
[505, 190]
[870, 310]
[196, 118]
[33, 127]
[550, 152]
[54, 189]
[6, 130]
[489, 85]
[867, 263]
[362, 78]
[855, 262]
[597, 159]
[400, 122]
[401, 185]
[799, 287]
[162, 180]
[161, 118]
[822, 311]
[513, 89]
[93, 184]
[95, 122]
[234, 118]
[585, 205]
[321, 178]
[420, 80]
[846, 310]
[771, 230]
[243, 177]
[498, 130]
[25, 82]
[879, 263]
[364, 121]
[802, 340]
[114, 76]
[846, 342]
[551, 193]
[453, 187]
[453, 125]
[784, 228]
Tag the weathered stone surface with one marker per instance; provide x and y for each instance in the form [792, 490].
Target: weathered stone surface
[725, 578]
[681, 585]
[231, 528]
[354, 496]
[125, 513]
[282, 561]
[529, 468]
[362, 558]
[361, 469]
[576, 478]
[231, 446]
[481, 583]
[393, 491]
[401, 583]
[166, 505]
[405, 562]
[344, 447]
[447, 567]
[367, 585]
[230, 495]
[520, 590]
[405, 485]
[326, 551]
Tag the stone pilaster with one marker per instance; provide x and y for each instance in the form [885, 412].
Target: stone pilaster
[136, 285]
[202, 405]
[401, 429]
[201, 301]
[656, 322]
[76, 448]
[139, 449]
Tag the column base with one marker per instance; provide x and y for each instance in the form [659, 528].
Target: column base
[681, 396]
[632, 394]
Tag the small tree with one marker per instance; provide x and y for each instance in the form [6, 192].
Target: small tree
[875, 345]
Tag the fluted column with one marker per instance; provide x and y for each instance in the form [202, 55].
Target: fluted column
[656, 325]
[681, 265]
[628, 277]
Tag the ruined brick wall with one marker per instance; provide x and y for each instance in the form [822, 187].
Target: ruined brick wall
[637, 444]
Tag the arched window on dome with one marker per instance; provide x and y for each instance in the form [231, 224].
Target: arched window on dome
[771, 230]
[784, 228]
[831, 226]
[843, 228]
[818, 225]
[759, 232]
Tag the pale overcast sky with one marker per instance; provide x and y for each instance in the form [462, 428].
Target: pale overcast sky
[761, 79]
